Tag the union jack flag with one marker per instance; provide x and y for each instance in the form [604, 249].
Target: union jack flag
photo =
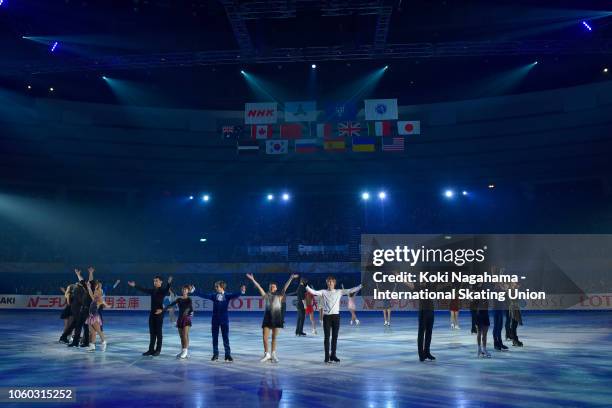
[349, 129]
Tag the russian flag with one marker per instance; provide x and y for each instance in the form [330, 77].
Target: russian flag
[306, 146]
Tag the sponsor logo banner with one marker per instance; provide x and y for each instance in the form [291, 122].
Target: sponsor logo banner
[260, 113]
[592, 301]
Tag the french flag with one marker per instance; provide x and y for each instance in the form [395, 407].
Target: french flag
[324, 130]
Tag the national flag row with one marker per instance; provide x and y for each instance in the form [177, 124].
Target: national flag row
[332, 144]
[323, 130]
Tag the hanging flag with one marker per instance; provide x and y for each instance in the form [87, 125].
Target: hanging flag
[393, 144]
[306, 146]
[324, 130]
[379, 128]
[340, 111]
[261, 131]
[248, 147]
[232, 131]
[349, 129]
[381, 109]
[305, 111]
[409, 127]
[364, 144]
[260, 113]
[277, 146]
[291, 131]
[334, 144]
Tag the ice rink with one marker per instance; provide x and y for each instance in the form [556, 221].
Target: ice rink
[566, 361]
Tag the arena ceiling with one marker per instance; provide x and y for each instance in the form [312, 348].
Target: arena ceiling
[188, 54]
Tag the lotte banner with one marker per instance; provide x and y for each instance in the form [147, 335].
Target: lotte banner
[260, 113]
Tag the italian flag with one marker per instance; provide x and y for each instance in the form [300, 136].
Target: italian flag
[383, 128]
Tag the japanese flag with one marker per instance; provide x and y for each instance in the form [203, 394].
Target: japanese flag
[409, 127]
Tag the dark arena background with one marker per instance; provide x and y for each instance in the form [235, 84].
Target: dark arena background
[207, 140]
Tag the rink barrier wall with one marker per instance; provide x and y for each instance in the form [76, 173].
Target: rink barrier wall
[594, 301]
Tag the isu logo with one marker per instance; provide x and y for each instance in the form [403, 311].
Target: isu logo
[260, 113]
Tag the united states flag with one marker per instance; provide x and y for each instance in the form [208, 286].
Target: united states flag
[349, 129]
[393, 144]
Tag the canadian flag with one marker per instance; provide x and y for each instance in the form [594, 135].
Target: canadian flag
[409, 127]
[261, 131]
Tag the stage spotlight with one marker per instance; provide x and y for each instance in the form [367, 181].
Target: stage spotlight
[605, 70]
[535, 62]
[386, 67]
[382, 195]
[104, 77]
[365, 196]
[205, 197]
[464, 193]
[29, 86]
[1, 2]
[51, 89]
[270, 197]
[202, 239]
[54, 46]
[242, 72]
[587, 26]
[449, 194]
[191, 197]
[285, 196]
[313, 66]
[491, 185]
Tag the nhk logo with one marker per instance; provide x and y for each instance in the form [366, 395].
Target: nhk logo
[261, 113]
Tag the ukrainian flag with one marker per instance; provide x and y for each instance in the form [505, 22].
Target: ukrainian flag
[364, 144]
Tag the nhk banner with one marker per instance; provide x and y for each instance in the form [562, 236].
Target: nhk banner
[593, 301]
[260, 113]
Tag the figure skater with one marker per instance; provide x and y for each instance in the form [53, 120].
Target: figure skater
[482, 324]
[273, 315]
[93, 320]
[184, 321]
[79, 312]
[86, 306]
[105, 290]
[499, 310]
[311, 304]
[352, 307]
[516, 318]
[453, 307]
[220, 317]
[66, 316]
[301, 307]
[156, 315]
[331, 307]
[474, 315]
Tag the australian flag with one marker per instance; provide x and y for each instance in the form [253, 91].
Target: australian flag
[340, 111]
[232, 132]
